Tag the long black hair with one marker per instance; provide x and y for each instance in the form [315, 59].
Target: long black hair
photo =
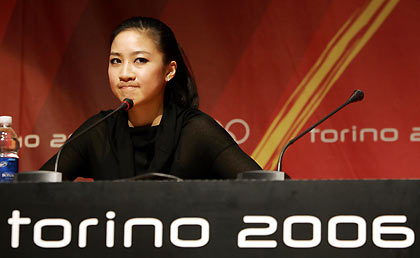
[181, 89]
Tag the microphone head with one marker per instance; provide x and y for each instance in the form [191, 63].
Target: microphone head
[357, 95]
[128, 103]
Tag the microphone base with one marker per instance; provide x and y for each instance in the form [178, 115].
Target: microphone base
[40, 176]
[262, 175]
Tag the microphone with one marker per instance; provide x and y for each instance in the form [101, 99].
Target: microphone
[54, 176]
[126, 105]
[279, 175]
[357, 95]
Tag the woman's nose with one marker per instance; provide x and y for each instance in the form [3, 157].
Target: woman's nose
[127, 73]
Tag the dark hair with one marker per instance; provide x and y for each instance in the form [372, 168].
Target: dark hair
[181, 89]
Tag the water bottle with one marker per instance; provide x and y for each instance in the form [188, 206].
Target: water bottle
[9, 147]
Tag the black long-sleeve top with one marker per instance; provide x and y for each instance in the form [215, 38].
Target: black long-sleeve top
[188, 144]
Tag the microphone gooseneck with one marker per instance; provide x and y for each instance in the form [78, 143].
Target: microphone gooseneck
[126, 105]
[357, 95]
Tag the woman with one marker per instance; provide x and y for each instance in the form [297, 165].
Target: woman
[164, 131]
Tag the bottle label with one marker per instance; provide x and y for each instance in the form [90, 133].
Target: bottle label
[8, 168]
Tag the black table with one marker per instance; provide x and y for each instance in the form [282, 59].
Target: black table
[336, 218]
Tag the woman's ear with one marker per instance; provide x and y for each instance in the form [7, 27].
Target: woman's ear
[171, 70]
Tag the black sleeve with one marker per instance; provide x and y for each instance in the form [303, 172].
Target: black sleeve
[74, 158]
[206, 150]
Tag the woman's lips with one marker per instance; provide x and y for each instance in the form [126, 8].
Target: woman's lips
[128, 87]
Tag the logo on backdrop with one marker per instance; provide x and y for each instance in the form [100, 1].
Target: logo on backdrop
[237, 128]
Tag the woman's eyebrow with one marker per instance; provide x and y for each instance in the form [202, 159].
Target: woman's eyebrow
[140, 52]
[132, 53]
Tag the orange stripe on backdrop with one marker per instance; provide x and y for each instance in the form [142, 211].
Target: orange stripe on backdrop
[338, 54]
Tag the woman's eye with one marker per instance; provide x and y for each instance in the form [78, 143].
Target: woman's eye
[115, 61]
[141, 60]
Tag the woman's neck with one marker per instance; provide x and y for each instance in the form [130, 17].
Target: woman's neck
[145, 115]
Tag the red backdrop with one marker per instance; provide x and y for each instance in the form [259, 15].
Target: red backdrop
[266, 70]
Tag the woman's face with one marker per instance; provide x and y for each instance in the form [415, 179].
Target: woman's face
[136, 69]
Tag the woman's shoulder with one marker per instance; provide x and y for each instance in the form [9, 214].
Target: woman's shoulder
[198, 118]
[202, 125]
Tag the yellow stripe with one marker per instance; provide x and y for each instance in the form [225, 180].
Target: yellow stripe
[348, 56]
[316, 84]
